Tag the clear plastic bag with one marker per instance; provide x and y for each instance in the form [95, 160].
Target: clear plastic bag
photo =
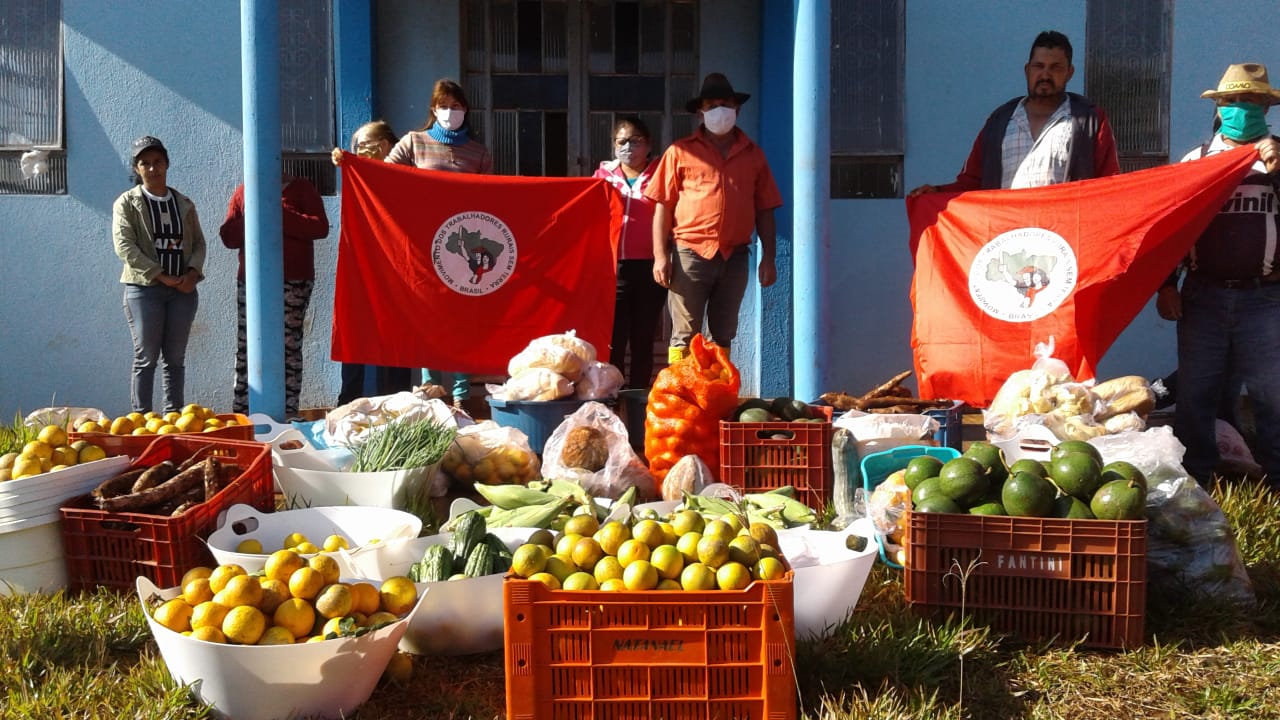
[1191, 547]
[533, 384]
[543, 353]
[622, 469]
[599, 380]
[690, 474]
[490, 454]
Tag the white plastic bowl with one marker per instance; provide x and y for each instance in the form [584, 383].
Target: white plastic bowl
[456, 617]
[309, 478]
[829, 577]
[51, 489]
[361, 526]
[327, 679]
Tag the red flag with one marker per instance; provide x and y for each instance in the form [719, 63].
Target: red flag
[459, 271]
[998, 271]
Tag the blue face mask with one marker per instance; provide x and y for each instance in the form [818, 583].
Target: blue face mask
[1243, 121]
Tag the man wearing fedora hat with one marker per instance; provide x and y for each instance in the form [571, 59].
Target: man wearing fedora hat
[711, 190]
[1049, 136]
[1228, 309]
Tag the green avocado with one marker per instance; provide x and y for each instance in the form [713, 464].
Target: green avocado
[1026, 495]
[779, 406]
[795, 410]
[750, 404]
[938, 504]
[755, 415]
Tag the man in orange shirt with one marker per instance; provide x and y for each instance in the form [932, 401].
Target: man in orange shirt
[711, 191]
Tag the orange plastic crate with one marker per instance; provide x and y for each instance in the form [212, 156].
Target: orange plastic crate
[113, 548]
[135, 445]
[651, 655]
[1033, 578]
[753, 460]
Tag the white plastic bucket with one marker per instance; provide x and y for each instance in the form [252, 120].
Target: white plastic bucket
[32, 559]
[367, 530]
[327, 679]
[456, 617]
[829, 577]
[310, 478]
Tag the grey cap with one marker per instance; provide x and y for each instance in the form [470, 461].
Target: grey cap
[146, 142]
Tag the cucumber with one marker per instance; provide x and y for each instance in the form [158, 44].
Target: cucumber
[436, 564]
[479, 562]
[501, 553]
[469, 532]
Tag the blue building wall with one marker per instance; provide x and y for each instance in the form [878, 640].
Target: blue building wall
[63, 331]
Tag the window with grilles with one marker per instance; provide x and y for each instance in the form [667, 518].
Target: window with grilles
[867, 60]
[33, 158]
[1127, 73]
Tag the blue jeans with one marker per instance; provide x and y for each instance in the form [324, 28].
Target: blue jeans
[1224, 336]
[459, 384]
[160, 319]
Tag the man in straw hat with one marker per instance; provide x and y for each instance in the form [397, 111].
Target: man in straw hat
[711, 190]
[1049, 136]
[1228, 309]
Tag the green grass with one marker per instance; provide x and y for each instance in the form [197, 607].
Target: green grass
[91, 656]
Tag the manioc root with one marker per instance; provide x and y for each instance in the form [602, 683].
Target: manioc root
[174, 487]
[196, 457]
[154, 475]
[118, 485]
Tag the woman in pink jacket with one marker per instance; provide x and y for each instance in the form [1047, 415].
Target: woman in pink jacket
[639, 299]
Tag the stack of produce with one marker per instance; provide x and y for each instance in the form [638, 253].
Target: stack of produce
[1072, 410]
[686, 405]
[779, 409]
[557, 367]
[192, 419]
[167, 488]
[889, 397]
[26, 452]
[1073, 483]
[294, 600]
[688, 552]
[471, 553]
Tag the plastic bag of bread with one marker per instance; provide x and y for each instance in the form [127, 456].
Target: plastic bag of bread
[591, 448]
[533, 384]
[599, 380]
[1129, 393]
[574, 344]
[545, 354]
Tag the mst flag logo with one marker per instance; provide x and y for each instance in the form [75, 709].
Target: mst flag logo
[1023, 275]
[473, 253]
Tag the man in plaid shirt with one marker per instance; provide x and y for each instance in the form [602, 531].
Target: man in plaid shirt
[1050, 136]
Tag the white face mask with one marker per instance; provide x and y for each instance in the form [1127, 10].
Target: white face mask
[719, 120]
[450, 119]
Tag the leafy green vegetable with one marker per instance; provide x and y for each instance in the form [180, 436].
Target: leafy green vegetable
[403, 445]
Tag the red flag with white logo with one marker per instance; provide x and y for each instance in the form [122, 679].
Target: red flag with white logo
[459, 271]
[998, 271]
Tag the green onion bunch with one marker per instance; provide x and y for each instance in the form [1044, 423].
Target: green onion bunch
[403, 445]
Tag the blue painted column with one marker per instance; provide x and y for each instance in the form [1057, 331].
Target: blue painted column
[353, 64]
[774, 328]
[811, 163]
[355, 89]
[263, 251]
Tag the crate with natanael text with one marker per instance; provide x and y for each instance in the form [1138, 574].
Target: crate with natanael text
[112, 549]
[650, 655]
[762, 456]
[1036, 579]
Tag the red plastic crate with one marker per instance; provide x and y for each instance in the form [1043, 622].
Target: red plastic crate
[753, 460]
[650, 655]
[1033, 578]
[135, 445]
[113, 548]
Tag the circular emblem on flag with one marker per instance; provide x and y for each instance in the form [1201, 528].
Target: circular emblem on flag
[1023, 275]
[474, 253]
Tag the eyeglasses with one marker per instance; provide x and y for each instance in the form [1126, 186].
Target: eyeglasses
[633, 140]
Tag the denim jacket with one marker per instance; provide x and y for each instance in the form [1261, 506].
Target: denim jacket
[131, 232]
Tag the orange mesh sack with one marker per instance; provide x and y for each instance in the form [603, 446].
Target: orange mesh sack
[686, 405]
